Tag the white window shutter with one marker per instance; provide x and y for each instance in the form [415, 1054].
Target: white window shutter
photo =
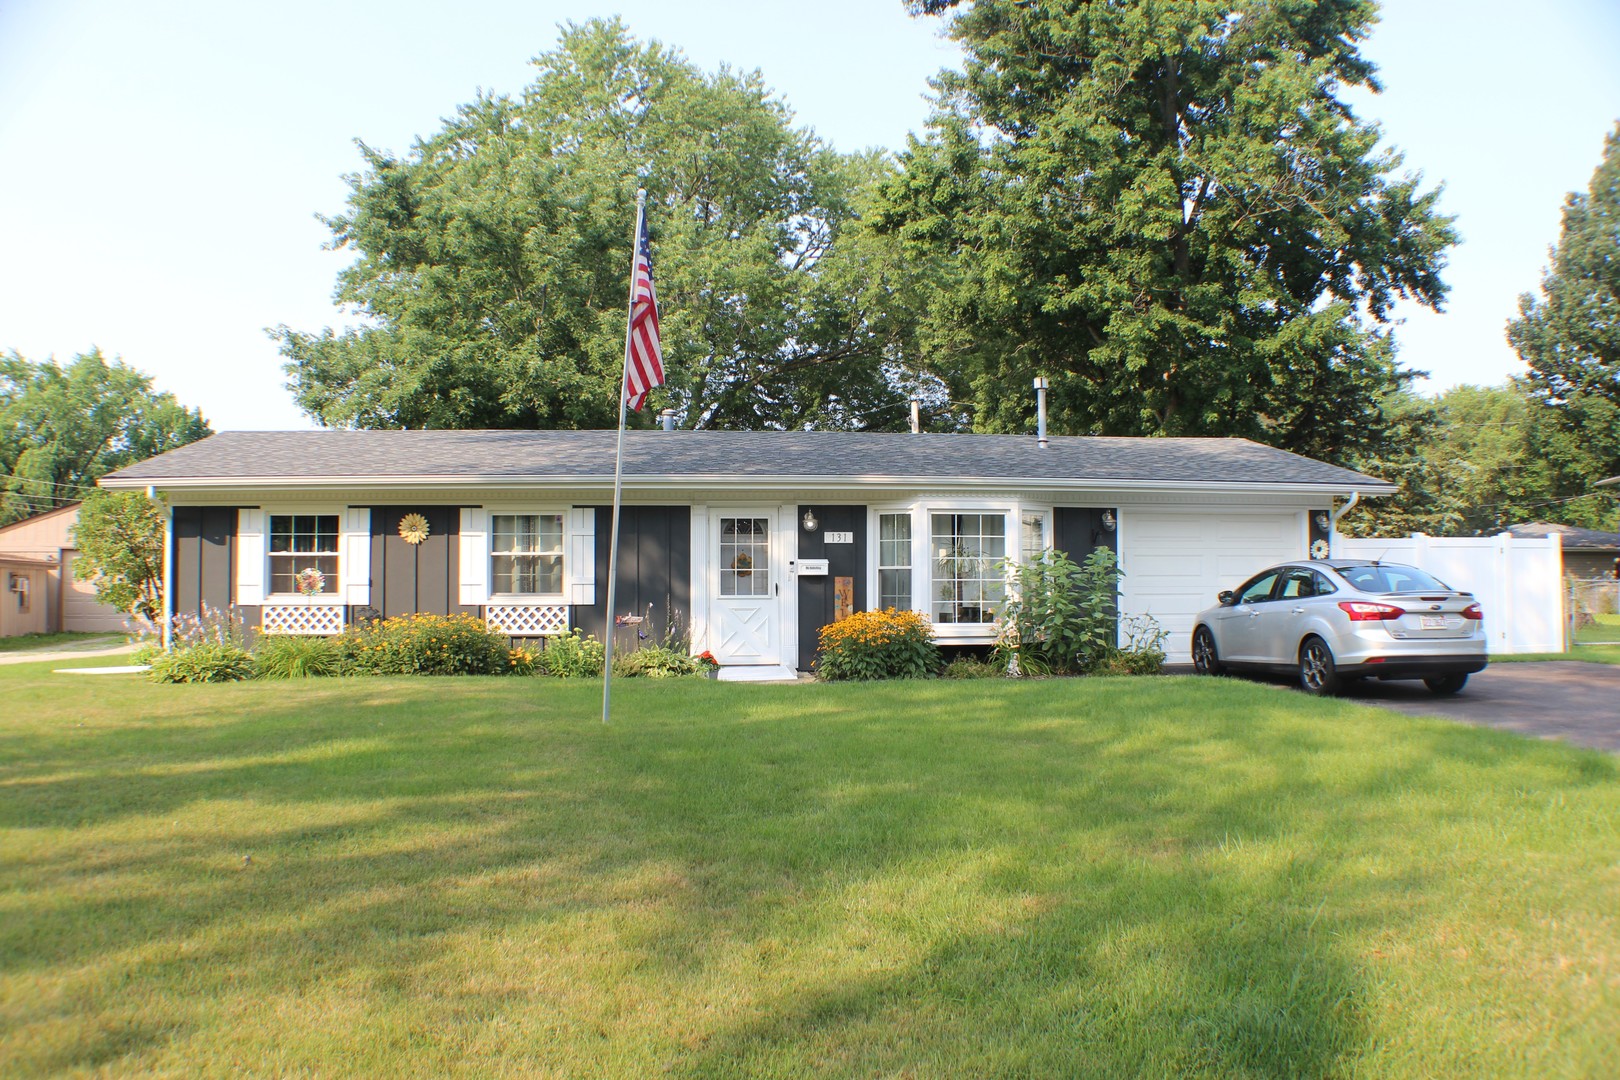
[474, 544]
[579, 561]
[355, 545]
[250, 556]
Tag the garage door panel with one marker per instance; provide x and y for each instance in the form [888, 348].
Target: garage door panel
[1175, 562]
[81, 612]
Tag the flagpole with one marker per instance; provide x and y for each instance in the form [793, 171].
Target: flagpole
[618, 468]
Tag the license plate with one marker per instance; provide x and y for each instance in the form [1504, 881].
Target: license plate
[1434, 622]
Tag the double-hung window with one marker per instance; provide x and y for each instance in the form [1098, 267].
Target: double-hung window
[894, 561]
[526, 554]
[969, 583]
[300, 543]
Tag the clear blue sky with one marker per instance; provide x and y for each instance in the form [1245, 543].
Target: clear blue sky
[163, 161]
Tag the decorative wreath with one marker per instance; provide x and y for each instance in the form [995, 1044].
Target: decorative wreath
[1319, 549]
[743, 564]
[413, 528]
[310, 581]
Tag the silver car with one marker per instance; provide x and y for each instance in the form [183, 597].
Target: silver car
[1335, 620]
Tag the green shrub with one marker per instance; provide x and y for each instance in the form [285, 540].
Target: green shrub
[425, 645]
[522, 660]
[210, 662]
[885, 644]
[571, 656]
[1060, 619]
[973, 667]
[146, 652]
[656, 662]
[295, 656]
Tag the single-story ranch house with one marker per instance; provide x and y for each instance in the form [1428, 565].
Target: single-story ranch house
[749, 542]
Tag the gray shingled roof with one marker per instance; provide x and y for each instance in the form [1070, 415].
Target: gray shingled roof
[393, 456]
[1574, 537]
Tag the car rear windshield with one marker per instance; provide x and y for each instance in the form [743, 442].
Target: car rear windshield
[1391, 578]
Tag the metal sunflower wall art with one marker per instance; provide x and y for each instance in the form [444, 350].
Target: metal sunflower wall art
[413, 528]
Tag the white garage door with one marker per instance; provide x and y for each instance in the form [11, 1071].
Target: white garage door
[1175, 561]
[80, 611]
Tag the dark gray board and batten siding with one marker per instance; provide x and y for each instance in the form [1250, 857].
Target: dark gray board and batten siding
[423, 578]
[816, 598]
[203, 561]
[655, 572]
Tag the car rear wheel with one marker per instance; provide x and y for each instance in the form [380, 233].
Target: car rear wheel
[1317, 673]
[1206, 661]
[1446, 685]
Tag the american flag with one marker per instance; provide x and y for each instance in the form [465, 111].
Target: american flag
[644, 355]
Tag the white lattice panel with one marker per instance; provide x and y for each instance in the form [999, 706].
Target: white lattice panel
[324, 619]
[522, 620]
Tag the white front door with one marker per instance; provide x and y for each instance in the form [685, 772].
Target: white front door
[746, 601]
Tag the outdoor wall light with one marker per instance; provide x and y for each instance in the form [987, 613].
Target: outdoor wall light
[1109, 522]
[810, 523]
[1322, 521]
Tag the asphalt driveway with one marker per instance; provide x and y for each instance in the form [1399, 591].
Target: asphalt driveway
[1572, 700]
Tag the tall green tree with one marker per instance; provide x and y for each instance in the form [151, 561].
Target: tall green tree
[119, 535]
[62, 427]
[1473, 461]
[1570, 334]
[493, 259]
[1170, 209]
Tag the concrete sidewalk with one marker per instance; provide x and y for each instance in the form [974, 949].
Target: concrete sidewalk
[113, 647]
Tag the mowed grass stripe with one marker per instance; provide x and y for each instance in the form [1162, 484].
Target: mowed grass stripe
[1104, 877]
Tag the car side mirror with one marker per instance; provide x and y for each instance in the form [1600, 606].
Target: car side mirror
[1226, 596]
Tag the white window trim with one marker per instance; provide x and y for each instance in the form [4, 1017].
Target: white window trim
[477, 561]
[922, 563]
[1048, 527]
[336, 594]
[555, 599]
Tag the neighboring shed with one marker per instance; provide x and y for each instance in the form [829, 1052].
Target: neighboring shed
[748, 542]
[1588, 553]
[64, 603]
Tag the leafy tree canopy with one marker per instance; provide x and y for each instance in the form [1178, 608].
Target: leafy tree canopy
[493, 259]
[1570, 334]
[1170, 210]
[120, 539]
[1474, 461]
[63, 427]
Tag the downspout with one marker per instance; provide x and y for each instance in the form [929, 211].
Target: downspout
[168, 567]
[1355, 497]
[1333, 524]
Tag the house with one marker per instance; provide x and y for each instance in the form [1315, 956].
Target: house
[1588, 553]
[748, 542]
[59, 602]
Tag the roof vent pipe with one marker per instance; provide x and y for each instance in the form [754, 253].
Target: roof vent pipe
[1040, 411]
[668, 418]
[916, 416]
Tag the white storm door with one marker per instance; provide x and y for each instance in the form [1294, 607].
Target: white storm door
[745, 602]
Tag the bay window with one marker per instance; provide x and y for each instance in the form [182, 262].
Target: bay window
[969, 583]
[526, 554]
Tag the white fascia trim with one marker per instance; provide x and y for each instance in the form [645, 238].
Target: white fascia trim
[651, 484]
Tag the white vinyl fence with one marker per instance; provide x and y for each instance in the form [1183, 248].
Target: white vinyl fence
[1516, 579]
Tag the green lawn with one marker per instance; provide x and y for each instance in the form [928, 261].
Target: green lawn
[1064, 878]
[70, 640]
[1607, 631]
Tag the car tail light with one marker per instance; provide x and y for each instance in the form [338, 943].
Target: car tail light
[1366, 611]
[1473, 611]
